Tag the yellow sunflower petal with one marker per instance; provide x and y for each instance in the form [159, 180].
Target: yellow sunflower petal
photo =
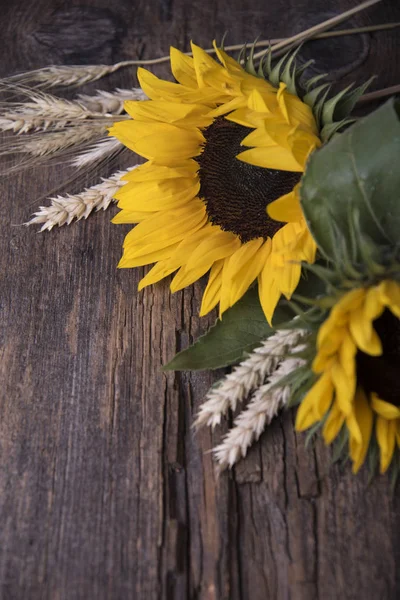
[158, 272]
[363, 415]
[285, 243]
[246, 117]
[182, 67]
[302, 145]
[151, 171]
[386, 438]
[281, 98]
[202, 63]
[268, 290]
[266, 137]
[274, 157]
[323, 400]
[289, 279]
[297, 111]
[373, 305]
[286, 263]
[229, 63]
[364, 334]
[344, 387]
[391, 294]
[184, 115]
[216, 246]
[333, 423]
[245, 265]
[251, 83]
[211, 295]
[159, 141]
[165, 228]
[329, 347]
[129, 216]
[245, 254]
[151, 197]
[185, 277]
[315, 403]
[189, 244]
[384, 409]
[225, 83]
[354, 428]
[323, 362]
[307, 246]
[286, 208]
[329, 327]
[128, 262]
[349, 302]
[262, 103]
[158, 89]
[225, 292]
[347, 353]
[227, 107]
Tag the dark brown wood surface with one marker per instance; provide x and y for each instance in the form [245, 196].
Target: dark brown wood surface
[105, 491]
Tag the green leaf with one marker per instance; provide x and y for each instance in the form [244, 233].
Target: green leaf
[356, 172]
[241, 329]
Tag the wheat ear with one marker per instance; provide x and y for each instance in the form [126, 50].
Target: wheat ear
[101, 150]
[247, 376]
[262, 408]
[45, 112]
[63, 76]
[64, 209]
[111, 102]
[53, 142]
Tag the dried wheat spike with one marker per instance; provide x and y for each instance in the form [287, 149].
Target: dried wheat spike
[64, 209]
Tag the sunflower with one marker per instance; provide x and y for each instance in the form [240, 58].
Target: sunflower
[357, 358]
[219, 192]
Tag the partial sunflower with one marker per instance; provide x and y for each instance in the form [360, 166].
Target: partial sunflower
[219, 193]
[357, 363]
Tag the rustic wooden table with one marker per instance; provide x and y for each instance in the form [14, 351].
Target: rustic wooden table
[105, 492]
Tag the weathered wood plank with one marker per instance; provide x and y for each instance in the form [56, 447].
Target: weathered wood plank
[105, 492]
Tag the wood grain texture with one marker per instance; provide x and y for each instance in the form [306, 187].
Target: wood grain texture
[105, 492]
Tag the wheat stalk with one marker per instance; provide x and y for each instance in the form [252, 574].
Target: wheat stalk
[247, 376]
[64, 209]
[77, 75]
[262, 408]
[295, 40]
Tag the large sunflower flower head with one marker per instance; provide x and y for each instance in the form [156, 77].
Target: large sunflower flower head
[355, 390]
[218, 194]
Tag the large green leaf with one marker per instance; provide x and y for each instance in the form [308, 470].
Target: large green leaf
[240, 330]
[358, 171]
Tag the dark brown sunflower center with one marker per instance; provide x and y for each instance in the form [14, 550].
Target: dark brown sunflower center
[381, 374]
[236, 194]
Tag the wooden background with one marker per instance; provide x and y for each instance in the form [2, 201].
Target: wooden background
[105, 492]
